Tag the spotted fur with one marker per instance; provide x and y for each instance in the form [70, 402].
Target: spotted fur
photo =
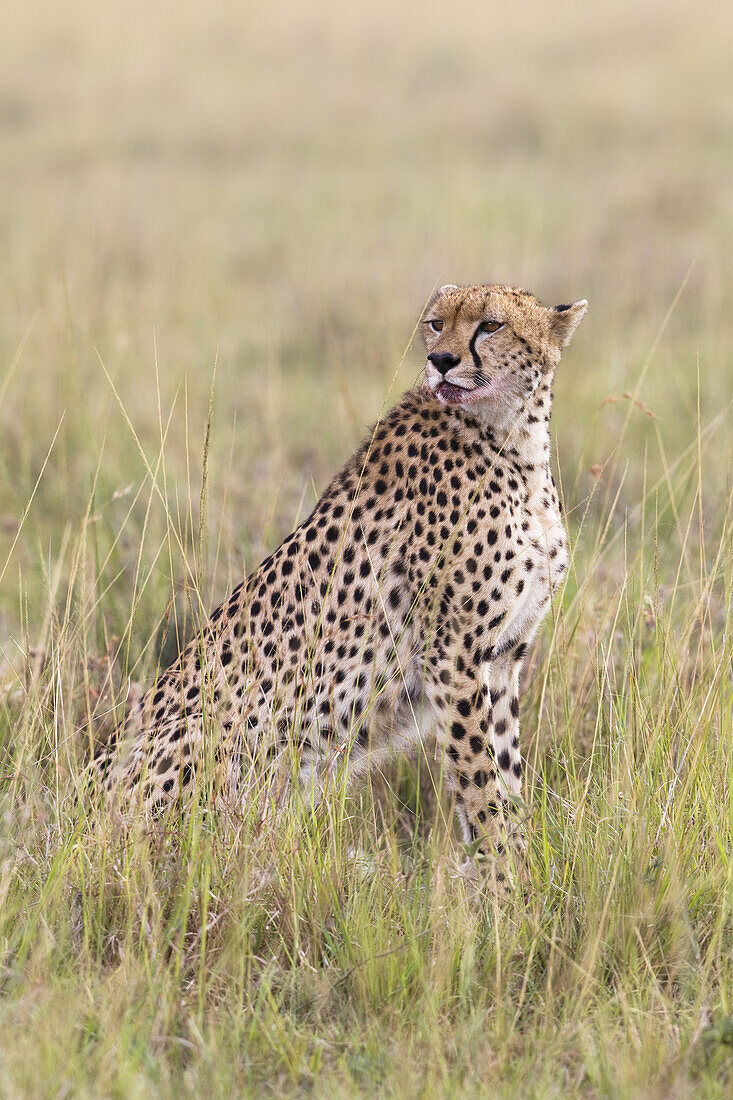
[399, 612]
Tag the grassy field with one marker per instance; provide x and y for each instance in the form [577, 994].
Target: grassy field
[218, 220]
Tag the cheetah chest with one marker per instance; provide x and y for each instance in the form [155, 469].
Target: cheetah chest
[540, 561]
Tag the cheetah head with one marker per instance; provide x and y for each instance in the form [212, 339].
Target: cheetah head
[493, 344]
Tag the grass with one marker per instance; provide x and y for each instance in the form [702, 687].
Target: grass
[218, 226]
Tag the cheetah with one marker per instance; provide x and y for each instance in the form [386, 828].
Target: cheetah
[399, 612]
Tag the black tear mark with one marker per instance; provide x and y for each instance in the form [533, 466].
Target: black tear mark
[472, 347]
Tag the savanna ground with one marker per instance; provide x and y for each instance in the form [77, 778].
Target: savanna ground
[221, 223]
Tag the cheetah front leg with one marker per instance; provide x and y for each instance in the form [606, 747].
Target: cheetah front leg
[480, 720]
[503, 680]
[463, 704]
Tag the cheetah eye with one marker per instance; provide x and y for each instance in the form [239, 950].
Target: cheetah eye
[491, 326]
[435, 324]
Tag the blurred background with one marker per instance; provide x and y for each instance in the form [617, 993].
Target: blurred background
[277, 190]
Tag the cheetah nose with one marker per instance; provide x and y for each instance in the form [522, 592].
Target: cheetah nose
[443, 361]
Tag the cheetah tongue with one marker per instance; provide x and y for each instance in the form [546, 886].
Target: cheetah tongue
[452, 394]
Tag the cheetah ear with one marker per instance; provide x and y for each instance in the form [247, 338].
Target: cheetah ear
[565, 319]
[446, 289]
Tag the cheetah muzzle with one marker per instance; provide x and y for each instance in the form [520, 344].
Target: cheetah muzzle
[399, 612]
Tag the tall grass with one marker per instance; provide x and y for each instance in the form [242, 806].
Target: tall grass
[340, 950]
[219, 226]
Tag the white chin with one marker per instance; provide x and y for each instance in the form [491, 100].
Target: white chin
[449, 394]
